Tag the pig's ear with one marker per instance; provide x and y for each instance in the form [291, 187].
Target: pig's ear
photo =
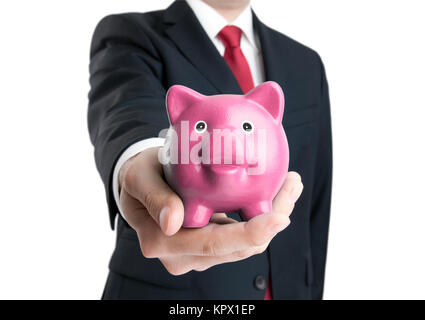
[270, 96]
[178, 99]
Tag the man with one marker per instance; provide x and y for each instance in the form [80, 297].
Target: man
[213, 47]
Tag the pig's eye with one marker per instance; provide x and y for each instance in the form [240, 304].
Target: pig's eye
[200, 126]
[247, 126]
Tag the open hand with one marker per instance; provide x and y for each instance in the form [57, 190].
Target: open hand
[156, 213]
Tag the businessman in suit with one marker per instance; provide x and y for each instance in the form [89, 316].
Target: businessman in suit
[213, 47]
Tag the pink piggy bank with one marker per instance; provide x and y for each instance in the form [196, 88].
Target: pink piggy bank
[225, 153]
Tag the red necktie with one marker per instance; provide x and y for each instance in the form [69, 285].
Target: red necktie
[231, 38]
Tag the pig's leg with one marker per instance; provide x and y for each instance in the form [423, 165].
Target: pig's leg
[196, 215]
[254, 209]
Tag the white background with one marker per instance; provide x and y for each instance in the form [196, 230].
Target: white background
[55, 240]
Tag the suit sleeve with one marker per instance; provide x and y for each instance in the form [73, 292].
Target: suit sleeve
[320, 214]
[126, 99]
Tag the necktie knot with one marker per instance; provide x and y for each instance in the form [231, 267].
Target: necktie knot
[230, 36]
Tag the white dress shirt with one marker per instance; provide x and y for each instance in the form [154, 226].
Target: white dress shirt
[212, 22]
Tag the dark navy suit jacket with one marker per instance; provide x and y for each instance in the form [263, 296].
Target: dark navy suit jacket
[135, 58]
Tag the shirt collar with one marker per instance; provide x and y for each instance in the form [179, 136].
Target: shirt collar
[213, 22]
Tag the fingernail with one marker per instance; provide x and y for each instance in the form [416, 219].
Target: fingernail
[163, 218]
[279, 227]
[294, 194]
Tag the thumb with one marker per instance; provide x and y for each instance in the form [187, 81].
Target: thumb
[162, 204]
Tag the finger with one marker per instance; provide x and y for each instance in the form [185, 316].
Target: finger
[144, 182]
[206, 262]
[289, 193]
[183, 264]
[219, 215]
[133, 211]
[221, 218]
[225, 239]
[219, 240]
[148, 231]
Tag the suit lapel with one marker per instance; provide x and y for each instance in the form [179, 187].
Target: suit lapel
[189, 36]
[275, 67]
[187, 33]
